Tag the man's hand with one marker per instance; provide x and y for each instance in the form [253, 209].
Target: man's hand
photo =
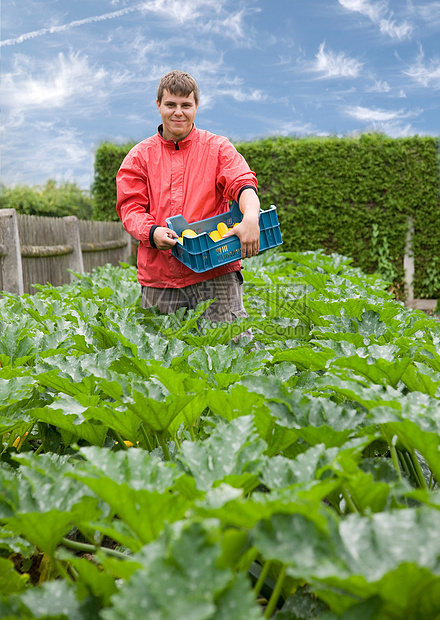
[164, 238]
[248, 231]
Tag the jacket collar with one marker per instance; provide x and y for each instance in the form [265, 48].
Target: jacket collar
[183, 144]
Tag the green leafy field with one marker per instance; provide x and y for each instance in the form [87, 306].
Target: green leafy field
[169, 469]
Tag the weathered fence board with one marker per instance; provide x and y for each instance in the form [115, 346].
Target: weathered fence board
[11, 268]
[99, 245]
[40, 250]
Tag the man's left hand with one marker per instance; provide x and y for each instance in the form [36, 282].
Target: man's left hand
[248, 231]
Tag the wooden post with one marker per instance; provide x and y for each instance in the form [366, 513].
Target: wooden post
[12, 272]
[72, 237]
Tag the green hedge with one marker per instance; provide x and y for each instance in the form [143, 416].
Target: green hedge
[108, 159]
[49, 200]
[352, 196]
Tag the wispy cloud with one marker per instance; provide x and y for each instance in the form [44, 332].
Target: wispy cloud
[379, 87]
[380, 15]
[394, 30]
[370, 115]
[425, 73]
[333, 65]
[372, 10]
[175, 11]
[53, 85]
[242, 95]
[232, 25]
[388, 122]
[52, 143]
[428, 12]
[74, 24]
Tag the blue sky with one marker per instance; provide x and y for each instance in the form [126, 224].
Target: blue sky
[76, 73]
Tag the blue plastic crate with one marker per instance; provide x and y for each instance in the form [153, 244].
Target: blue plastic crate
[201, 253]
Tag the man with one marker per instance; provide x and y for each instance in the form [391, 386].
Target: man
[188, 171]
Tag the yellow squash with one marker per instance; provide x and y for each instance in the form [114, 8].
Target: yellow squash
[215, 235]
[222, 228]
[189, 233]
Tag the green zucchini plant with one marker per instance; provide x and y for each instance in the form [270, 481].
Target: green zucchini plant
[285, 466]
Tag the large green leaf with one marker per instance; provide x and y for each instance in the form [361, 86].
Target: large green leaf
[44, 530]
[136, 468]
[137, 487]
[305, 357]
[69, 415]
[183, 578]
[55, 599]
[158, 401]
[14, 389]
[376, 370]
[223, 365]
[233, 454]
[10, 580]
[360, 555]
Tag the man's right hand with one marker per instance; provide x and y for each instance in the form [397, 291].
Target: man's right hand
[164, 238]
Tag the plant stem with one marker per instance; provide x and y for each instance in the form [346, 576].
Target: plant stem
[262, 577]
[276, 593]
[404, 463]
[146, 438]
[39, 449]
[25, 436]
[393, 452]
[62, 570]
[119, 440]
[418, 470]
[79, 546]
[348, 499]
[395, 460]
[163, 445]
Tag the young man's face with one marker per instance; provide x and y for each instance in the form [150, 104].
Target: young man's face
[177, 114]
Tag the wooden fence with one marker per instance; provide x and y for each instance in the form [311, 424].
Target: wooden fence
[40, 250]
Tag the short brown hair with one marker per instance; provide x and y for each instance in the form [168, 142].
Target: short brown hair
[178, 83]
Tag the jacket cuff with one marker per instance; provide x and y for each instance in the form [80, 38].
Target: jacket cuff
[151, 235]
[246, 187]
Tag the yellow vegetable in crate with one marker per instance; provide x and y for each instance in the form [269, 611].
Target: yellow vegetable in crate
[222, 228]
[189, 233]
[215, 235]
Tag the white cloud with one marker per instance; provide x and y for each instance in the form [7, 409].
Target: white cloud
[372, 10]
[381, 16]
[395, 31]
[37, 154]
[233, 26]
[62, 80]
[425, 73]
[336, 65]
[64, 27]
[180, 11]
[371, 115]
[175, 11]
[393, 129]
[429, 12]
[379, 87]
[242, 95]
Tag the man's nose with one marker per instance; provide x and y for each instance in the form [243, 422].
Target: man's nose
[178, 110]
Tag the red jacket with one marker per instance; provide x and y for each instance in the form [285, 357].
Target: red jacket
[196, 177]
